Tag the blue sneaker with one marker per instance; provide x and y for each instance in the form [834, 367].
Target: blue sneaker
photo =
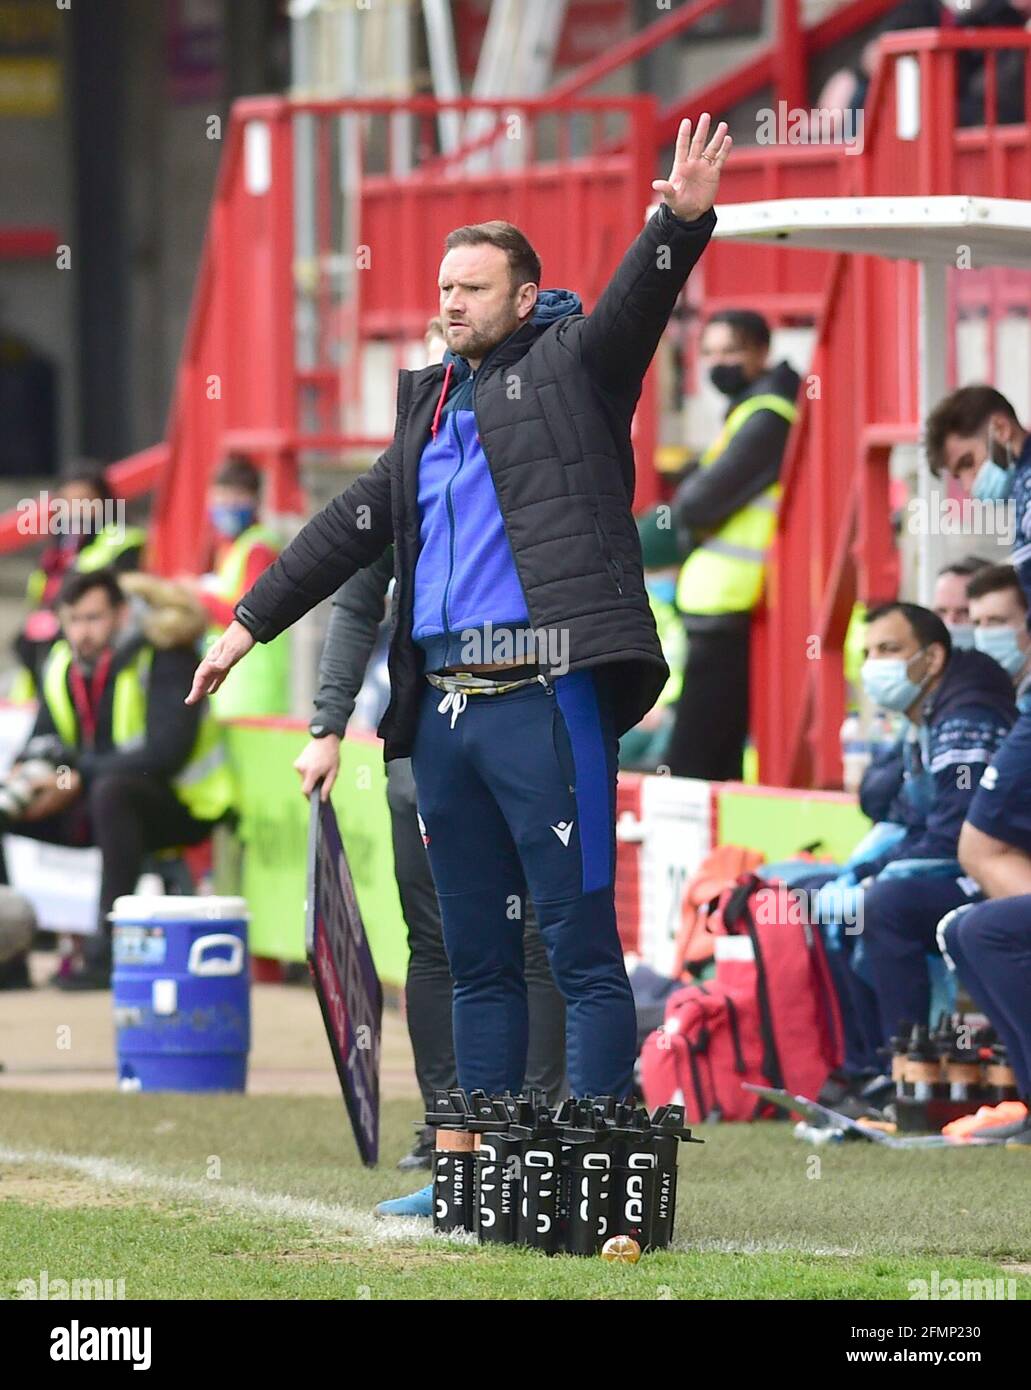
[415, 1204]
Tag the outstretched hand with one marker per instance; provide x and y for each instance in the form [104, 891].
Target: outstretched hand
[234, 643]
[694, 179]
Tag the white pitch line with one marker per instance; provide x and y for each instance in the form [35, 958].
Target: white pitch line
[396, 1230]
[806, 1248]
[390, 1230]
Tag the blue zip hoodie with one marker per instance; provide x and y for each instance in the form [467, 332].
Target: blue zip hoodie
[465, 576]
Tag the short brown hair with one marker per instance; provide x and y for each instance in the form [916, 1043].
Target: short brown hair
[78, 583]
[964, 413]
[524, 264]
[237, 471]
[993, 579]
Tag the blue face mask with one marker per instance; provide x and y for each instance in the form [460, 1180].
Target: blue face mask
[962, 635]
[663, 588]
[1001, 644]
[993, 481]
[232, 520]
[887, 683]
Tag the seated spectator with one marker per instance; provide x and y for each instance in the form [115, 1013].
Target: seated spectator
[84, 535]
[883, 779]
[990, 946]
[959, 706]
[118, 760]
[950, 600]
[846, 89]
[244, 549]
[17, 928]
[644, 747]
[998, 610]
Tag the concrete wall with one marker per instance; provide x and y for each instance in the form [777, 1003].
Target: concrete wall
[36, 299]
[170, 172]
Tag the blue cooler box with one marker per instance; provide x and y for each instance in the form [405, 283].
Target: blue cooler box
[181, 988]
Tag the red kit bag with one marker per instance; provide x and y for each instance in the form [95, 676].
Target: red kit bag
[770, 1016]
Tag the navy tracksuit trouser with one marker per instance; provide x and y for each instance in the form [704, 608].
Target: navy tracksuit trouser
[900, 921]
[991, 948]
[428, 981]
[517, 793]
[860, 1020]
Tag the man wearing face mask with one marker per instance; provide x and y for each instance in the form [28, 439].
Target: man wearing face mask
[974, 436]
[882, 780]
[725, 512]
[950, 600]
[244, 549]
[998, 611]
[959, 706]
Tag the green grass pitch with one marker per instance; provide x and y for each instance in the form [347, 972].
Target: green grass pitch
[223, 1197]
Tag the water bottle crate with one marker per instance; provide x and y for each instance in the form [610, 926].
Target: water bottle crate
[563, 1181]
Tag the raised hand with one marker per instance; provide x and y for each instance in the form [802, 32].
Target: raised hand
[234, 643]
[694, 179]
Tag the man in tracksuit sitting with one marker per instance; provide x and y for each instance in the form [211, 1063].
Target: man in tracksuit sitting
[124, 765]
[523, 643]
[959, 707]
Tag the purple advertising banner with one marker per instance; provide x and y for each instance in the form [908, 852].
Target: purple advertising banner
[348, 988]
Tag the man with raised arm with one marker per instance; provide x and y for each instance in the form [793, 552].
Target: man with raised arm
[523, 643]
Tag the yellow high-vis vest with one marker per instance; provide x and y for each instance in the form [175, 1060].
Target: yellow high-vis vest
[673, 641]
[104, 549]
[725, 572]
[260, 685]
[204, 785]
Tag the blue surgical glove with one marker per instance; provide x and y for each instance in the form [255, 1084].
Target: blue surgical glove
[837, 903]
[875, 842]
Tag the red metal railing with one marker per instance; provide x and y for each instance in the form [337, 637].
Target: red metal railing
[775, 66]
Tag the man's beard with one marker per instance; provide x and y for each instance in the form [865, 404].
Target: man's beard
[478, 342]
